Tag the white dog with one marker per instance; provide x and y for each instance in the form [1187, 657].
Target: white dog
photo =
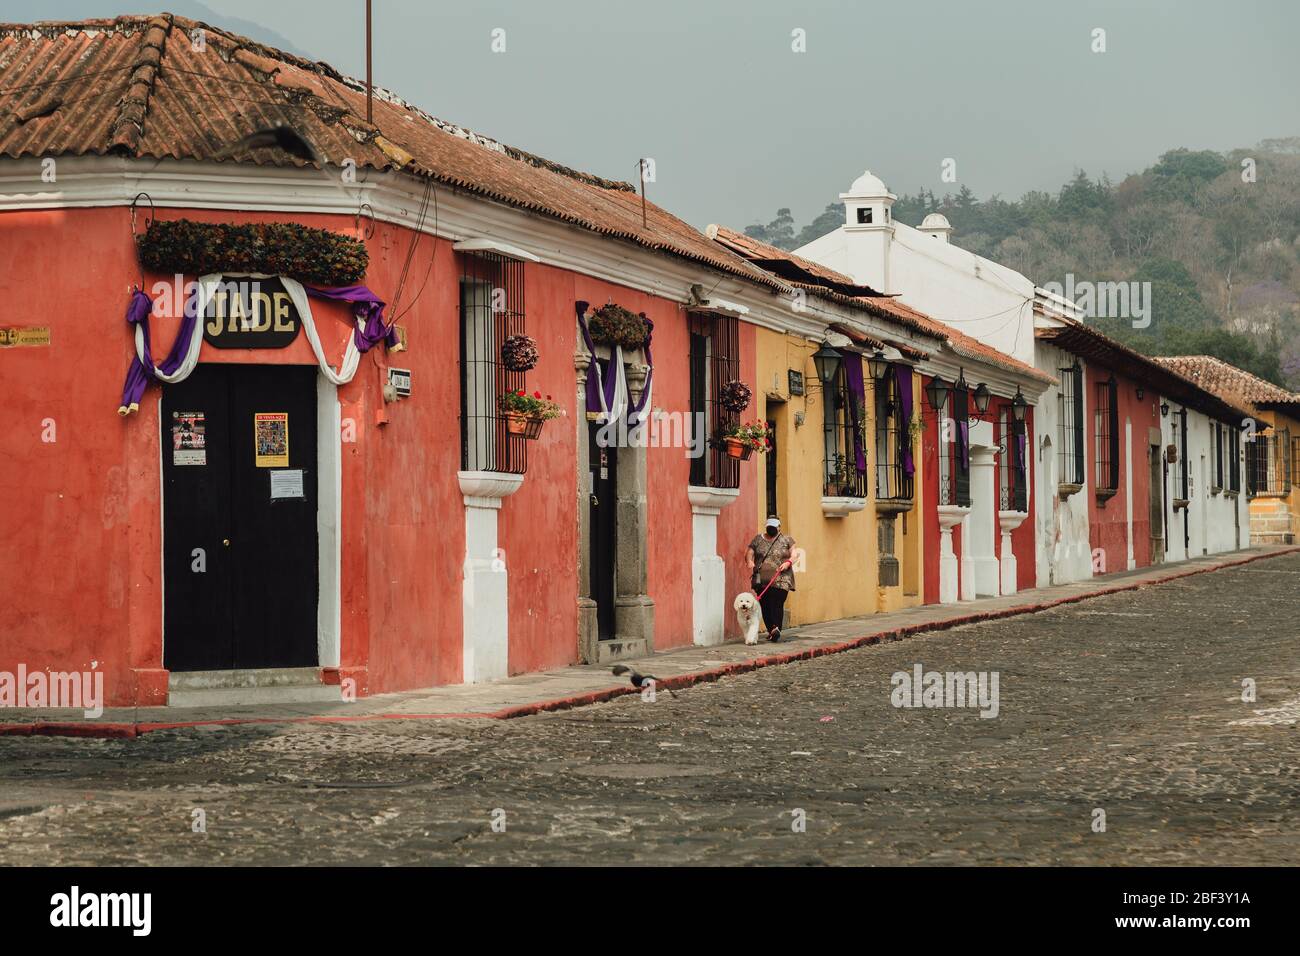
[748, 615]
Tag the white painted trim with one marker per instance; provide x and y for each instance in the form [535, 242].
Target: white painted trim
[492, 245]
[329, 522]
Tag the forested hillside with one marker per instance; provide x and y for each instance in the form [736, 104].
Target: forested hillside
[1222, 252]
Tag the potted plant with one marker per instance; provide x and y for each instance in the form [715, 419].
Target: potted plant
[742, 440]
[734, 396]
[840, 478]
[524, 413]
[614, 325]
[916, 426]
[519, 353]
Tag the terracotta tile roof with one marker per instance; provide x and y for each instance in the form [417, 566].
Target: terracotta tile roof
[1231, 383]
[838, 287]
[1087, 342]
[137, 86]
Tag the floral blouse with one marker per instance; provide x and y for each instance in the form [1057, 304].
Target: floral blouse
[767, 561]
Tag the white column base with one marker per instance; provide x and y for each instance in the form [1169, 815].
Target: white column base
[1009, 521]
[709, 600]
[485, 612]
[949, 517]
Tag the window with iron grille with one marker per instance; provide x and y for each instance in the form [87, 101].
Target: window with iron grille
[892, 438]
[1070, 425]
[1234, 458]
[1217, 429]
[954, 456]
[491, 310]
[841, 475]
[1106, 435]
[714, 361]
[1269, 463]
[1013, 487]
[1295, 459]
[1183, 477]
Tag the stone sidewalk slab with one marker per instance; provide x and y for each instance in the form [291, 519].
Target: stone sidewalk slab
[581, 685]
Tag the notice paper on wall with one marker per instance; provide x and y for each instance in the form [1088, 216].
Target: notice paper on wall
[271, 438]
[286, 483]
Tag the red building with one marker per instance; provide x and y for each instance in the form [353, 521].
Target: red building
[288, 515]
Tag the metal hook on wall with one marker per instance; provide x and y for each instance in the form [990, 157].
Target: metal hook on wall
[134, 203]
[365, 209]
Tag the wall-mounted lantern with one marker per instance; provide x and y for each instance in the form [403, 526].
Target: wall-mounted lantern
[827, 361]
[937, 393]
[1164, 409]
[878, 366]
[1019, 406]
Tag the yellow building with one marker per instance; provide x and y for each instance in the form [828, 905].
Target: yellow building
[845, 476]
[1272, 457]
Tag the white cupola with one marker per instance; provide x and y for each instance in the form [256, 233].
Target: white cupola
[936, 224]
[868, 229]
[868, 203]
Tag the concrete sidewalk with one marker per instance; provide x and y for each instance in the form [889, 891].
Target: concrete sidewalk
[579, 685]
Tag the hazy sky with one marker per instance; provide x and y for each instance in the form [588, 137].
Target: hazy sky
[739, 124]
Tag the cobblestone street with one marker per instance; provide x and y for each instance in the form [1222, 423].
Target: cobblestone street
[1130, 704]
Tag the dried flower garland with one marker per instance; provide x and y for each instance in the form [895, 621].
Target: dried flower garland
[314, 256]
[734, 396]
[614, 325]
[519, 353]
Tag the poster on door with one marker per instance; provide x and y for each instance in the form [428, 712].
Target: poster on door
[189, 439]
[271, 438]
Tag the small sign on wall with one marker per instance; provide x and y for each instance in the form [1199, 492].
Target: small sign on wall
[796, 382]
[400, 379]
[31, 335]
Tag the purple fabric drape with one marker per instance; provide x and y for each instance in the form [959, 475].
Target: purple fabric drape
[636, 411]
[595, 381]
[903, 376]
[963, 442]
[857, 404]
[369, 308]
[139, 374]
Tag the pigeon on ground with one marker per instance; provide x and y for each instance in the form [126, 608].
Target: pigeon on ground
[638, 680]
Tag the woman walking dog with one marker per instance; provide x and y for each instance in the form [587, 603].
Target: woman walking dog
[770, 557]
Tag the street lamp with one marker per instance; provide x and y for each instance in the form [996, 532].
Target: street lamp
[877, 365]
[1164, 409]
[827, 361]
[937, 393]
[981, 396]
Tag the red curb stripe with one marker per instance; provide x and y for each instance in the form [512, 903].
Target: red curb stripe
[676, 682]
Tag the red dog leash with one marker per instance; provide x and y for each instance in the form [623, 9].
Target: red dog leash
[784, 565]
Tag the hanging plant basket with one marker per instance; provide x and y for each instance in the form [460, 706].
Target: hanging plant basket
[734, 396]
[519, 353]
[736, 448]
[520, 424]
[314, 256]
[524, 414]
[614, 325]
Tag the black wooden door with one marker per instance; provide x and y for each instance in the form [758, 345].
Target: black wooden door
[603, 528]
[198, 633]
[250, 503]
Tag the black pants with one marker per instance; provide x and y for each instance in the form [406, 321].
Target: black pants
[773, 604]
